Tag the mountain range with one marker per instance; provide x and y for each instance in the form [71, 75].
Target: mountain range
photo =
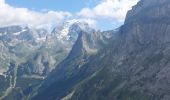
[29, 55]
[76, 62]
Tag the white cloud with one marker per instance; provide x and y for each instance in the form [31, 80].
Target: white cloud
[91, 22]
[22, 16]
[113, 9]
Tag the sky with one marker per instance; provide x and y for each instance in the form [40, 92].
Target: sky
[99, 14]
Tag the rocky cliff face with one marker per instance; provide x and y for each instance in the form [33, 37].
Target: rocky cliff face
[149, 10]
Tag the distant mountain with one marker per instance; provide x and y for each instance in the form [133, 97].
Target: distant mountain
[29, 55]
[70, 30]
[133, 64]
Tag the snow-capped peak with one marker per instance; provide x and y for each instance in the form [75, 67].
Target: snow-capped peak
[70, 30]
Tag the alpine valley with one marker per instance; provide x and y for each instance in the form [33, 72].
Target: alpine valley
[76, 62]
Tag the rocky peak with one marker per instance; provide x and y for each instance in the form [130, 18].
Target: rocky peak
[149, 9]
[149, 22]
[17, 34]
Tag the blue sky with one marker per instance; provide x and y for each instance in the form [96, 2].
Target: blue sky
[100, 14]
[58, 5]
